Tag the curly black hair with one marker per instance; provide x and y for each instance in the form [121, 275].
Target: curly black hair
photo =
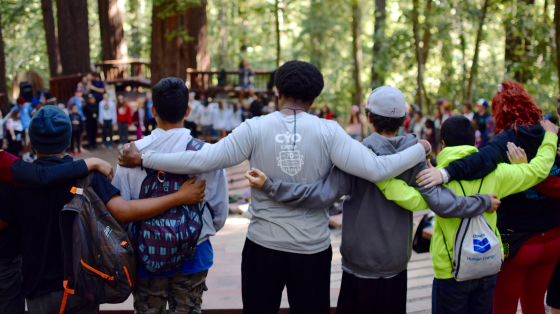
[171, 99]
[385, 124]
[299, 80]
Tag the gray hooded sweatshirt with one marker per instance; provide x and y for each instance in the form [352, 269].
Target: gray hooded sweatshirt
[376, 232]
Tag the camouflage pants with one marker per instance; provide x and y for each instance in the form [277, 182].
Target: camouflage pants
[183, 293]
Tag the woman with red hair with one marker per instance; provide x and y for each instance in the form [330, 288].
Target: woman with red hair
[528, 221]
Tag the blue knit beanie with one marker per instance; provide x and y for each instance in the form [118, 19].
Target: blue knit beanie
[50, 130]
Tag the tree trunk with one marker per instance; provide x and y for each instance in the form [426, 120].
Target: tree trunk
[223, 34]
[198, 55]
[51, 37]
[474, 66]
[316, 34]
[278, 12]
[463, 61]
[173, 50]
[169, 53]
[557, 26]
[3, 85]
[73, 36]
[111, 18]
[419, 61]
[357, 51]
[378, 68]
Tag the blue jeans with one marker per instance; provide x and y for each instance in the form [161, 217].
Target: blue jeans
[466, 297]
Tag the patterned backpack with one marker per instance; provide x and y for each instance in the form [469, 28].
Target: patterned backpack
[164, 242]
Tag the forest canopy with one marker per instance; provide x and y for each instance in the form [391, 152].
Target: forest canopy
[357, 44]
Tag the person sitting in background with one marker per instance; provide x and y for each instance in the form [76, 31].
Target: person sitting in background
[355, 123]
[14, 127]
[77, 130]
[107, 119]
[467, 111]
[91, 111]
[124, 120]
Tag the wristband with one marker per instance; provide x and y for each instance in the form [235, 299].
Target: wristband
[142, 162]
[444, 175]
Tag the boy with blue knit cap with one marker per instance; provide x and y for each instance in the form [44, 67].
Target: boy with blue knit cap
[36, 215]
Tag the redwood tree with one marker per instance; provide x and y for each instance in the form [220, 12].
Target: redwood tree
[379, 60]
[111, 17]
[73, 36]
[51, 37]
[198, 55]
[177, 43]
[3, 86]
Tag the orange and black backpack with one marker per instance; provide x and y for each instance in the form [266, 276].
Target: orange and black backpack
[99, 262]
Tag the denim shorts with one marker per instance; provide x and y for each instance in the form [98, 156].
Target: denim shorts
[247, 87]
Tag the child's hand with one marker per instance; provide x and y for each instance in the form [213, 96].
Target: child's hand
[191, 193]
[256, 178]
[429, 177]
[516, 155]
[549, 126]
[101, 166]
[495, 203]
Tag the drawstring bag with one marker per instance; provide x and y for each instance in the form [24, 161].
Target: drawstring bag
[477, 252]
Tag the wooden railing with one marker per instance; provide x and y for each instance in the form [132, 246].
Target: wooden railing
[131, 72]
[64, 87]
[204, 81]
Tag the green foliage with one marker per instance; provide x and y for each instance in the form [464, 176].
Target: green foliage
[319, 31]
[24, 38]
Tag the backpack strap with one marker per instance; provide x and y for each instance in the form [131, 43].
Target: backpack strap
[444, 241]
[65, 296]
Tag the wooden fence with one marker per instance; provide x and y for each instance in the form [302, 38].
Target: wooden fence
[131, 72]
[209, 81]
[64, 87]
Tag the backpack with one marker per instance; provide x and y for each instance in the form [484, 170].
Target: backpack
[164, 242]
[477, 252]
[98, 256]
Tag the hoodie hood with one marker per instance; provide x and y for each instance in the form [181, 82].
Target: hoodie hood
[382, 145]
[450, 154]
[530, 138]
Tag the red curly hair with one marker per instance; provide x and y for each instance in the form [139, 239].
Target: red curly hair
[513, 106]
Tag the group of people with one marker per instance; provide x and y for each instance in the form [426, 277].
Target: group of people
[301, 165]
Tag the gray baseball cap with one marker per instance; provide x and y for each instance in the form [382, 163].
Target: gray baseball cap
[387, 101]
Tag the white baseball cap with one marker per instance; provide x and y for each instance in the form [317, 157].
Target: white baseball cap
[387, 101]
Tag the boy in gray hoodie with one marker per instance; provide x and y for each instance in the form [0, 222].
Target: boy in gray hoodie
[377, 229]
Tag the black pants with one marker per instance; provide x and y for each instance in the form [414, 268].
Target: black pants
[265, 272]
[123, 132]
[380, 296]
[76, 141]
[11, 300]
[107, 132]
[191, 126]
[91, 130]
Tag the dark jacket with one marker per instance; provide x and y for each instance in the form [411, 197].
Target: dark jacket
[529, 211]
[377, 237]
